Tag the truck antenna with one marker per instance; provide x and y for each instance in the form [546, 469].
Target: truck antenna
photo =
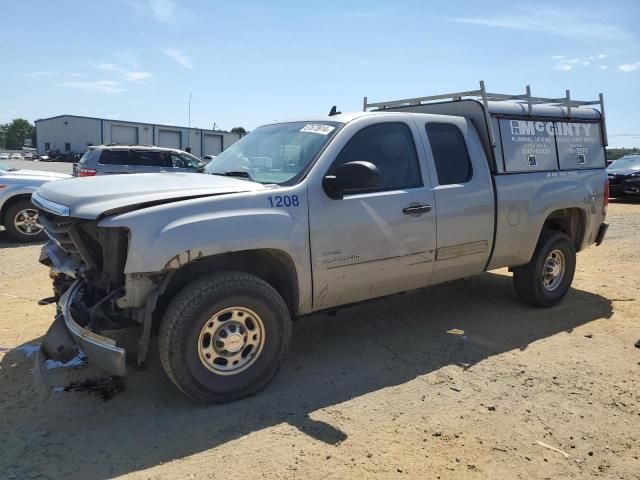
[334, 111]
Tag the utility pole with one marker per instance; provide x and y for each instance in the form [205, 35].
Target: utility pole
[189, 134]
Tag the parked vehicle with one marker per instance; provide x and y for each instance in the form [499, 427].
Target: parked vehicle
[69, 157]
[118, 159]
[624, 176]
[208, 158]
[4, 156]
[17, 214]
[53, 155]
[315, 214]
[15, 156]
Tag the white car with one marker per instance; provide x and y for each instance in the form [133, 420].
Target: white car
[16, 156]
[4, 156]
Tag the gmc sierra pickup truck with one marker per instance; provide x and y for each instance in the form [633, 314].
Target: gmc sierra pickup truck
[304, 216]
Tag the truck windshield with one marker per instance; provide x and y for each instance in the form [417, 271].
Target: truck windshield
[628, 162]
[278, 153]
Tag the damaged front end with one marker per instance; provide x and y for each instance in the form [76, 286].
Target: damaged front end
[87, 267]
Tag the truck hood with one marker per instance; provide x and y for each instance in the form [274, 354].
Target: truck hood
[94, 197]
[622, 171]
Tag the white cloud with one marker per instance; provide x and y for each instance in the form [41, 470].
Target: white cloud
[137, 76]
[564, 67]
[109, 66]
[100, 86]
[629, 67]
[550, 20]
[603, 67]
[179, 57]
[162, 10]
[566, 64]
[598, 57]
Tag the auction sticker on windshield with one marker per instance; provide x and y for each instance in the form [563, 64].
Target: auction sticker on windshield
[318, 128]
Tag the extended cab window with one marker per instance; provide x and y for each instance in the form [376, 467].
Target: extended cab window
[390, 147]
[114, 157]
[449, 153]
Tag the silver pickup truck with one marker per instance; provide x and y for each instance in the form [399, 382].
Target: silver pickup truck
[311, 215]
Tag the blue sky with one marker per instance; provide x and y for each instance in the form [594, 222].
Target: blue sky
[252, 62]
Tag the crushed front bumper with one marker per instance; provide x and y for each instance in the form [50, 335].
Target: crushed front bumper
[64, 338]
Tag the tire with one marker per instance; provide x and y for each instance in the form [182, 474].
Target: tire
[529, 280]
[19, 211]
[199, 310]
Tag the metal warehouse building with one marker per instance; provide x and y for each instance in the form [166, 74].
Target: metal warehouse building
[72, 133]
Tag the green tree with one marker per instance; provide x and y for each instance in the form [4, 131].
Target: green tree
[3, 135]
[14, 134]
[616, 153]
[239, 130]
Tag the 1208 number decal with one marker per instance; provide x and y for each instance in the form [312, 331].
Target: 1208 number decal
[284, 201]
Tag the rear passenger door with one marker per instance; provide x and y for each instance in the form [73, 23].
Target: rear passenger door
[151, 161]
[464, 198]
[113, 162]
[185, 163]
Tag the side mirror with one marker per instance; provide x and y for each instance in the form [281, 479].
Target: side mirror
[351, 176]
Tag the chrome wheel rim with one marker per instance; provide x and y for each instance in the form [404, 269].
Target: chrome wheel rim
[231, 341]
[26, 222]
[553, 270]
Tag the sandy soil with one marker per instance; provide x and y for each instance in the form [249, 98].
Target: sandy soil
[457, 381]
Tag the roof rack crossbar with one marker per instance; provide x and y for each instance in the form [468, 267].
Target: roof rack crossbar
[481, 93]
[485, 97]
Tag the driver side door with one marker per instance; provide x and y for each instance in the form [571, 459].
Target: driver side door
[376, 242]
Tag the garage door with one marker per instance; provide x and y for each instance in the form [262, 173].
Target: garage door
[124, 135]
[212, 144]
[169, 139]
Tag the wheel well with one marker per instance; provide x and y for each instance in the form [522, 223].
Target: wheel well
[273, 266]
[11, 201]
[570, 221]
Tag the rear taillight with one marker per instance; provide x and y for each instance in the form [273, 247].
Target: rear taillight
[87, 172]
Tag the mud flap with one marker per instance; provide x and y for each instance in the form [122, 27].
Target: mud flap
[601, 233]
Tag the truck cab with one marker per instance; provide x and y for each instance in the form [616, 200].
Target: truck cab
[315, 214]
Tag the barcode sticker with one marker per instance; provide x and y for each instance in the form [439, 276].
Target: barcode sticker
[318, 128]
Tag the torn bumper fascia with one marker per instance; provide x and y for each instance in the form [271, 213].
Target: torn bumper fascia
[65, 334]
[59, 260]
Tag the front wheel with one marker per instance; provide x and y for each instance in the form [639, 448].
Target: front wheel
[546, 279]
[224, 336]
[21, 222]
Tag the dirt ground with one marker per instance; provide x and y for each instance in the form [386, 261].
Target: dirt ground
[461, 380]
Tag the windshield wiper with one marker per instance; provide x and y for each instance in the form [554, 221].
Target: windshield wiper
[237, 173]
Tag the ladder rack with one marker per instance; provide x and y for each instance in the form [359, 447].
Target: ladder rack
[486, 97]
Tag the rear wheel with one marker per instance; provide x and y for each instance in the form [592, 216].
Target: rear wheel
[21, 222]
[224, 336]
[546, 279]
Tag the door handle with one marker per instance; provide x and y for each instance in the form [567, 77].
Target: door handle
[416, 209]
